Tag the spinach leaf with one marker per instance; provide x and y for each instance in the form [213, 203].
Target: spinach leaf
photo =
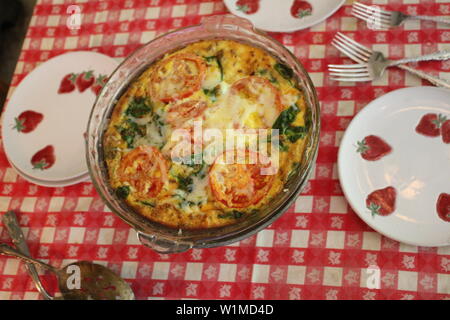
[231, 215]
[185, 183]
[129, 130]
[294, 133]
[123, 192]
[212, 93]
[266, 73]
[285, 118]
[284, 71]
[138, 107]
[216, 59]
[148, 204]
[287, 130]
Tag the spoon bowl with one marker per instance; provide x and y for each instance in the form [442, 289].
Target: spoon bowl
[82, 280]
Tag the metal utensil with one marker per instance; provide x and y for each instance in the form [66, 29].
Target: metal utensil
[378, 18]
[15, 232]
[81, 280]
[372, 64]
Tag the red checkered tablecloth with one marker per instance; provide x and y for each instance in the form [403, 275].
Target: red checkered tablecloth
[319, 249]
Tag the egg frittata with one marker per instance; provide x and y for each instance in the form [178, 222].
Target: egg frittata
[158, 143]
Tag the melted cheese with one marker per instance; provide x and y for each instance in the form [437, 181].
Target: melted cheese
[198, 208]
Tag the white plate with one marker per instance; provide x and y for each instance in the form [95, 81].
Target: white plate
[418, 166]
[54, 184]
[65, 116]
[276, 15]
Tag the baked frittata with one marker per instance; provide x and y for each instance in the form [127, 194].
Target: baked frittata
[214, 84]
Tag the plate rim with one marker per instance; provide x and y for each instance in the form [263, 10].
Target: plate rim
[340, 174]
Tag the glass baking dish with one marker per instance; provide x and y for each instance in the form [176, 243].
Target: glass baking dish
[161, 238]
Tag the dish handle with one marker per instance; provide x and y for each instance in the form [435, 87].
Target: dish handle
[163, 246]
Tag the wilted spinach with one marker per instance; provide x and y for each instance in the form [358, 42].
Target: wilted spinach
[216, 59]
[139, 107]
[123, 192]
[286, 129]
[284, 71]
[231, 215]
[129, 130]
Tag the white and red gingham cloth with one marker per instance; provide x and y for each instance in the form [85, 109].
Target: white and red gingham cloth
[319, 249]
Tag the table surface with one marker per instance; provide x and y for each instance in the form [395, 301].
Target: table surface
[319, 249]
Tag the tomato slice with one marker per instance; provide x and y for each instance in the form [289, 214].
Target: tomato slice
[179, 113]
[239, 185]
[145, 169]
[258, 91]
[177, 77]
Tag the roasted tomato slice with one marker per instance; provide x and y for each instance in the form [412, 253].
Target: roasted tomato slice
[239, 185]
[145, 169]
[179, 113]
[258, 91]
[177, 77]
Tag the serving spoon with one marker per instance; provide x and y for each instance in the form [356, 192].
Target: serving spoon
[81, 280]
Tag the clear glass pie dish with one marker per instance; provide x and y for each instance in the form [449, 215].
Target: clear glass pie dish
[170, 240]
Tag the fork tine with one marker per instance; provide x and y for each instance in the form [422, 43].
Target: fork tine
[351, 44]
[371, 9]
[351, 79]
[357, 44]
[348, 71]
[350, 53]
[345, 69]
[381, 26]
[374, 16]
[347, 66]
[350, 75]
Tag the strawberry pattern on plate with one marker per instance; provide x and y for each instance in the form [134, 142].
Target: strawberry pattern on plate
[27, 121]
[82, 81]
[247, 6]
[47, 116]
[373, 148]
[400, 184]
[285, 15]
[301, 9]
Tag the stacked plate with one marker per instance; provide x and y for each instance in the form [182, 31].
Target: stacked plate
[45, 120]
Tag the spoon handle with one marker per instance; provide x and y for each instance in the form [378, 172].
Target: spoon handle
[9, 251]
[15, 232]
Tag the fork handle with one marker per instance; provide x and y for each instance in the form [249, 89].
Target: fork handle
[12, 226]
[431, 18]
[440, 55]
[433, 79]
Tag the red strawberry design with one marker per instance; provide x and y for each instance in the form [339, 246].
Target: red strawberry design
[373, 148]
[44, 158]
[85, 80]
[445, 131]
[247, 6]
[430, 125]
[443, 206]
[382, 202]
[301, 9]
[67, 83]
[27, 121]
[99, 84]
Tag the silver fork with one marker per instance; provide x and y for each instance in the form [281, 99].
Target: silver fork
[378, 18]
[372, 64]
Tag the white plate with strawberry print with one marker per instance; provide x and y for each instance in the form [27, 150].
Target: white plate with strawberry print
[46, 117]
[285, 15]
[394, 165]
